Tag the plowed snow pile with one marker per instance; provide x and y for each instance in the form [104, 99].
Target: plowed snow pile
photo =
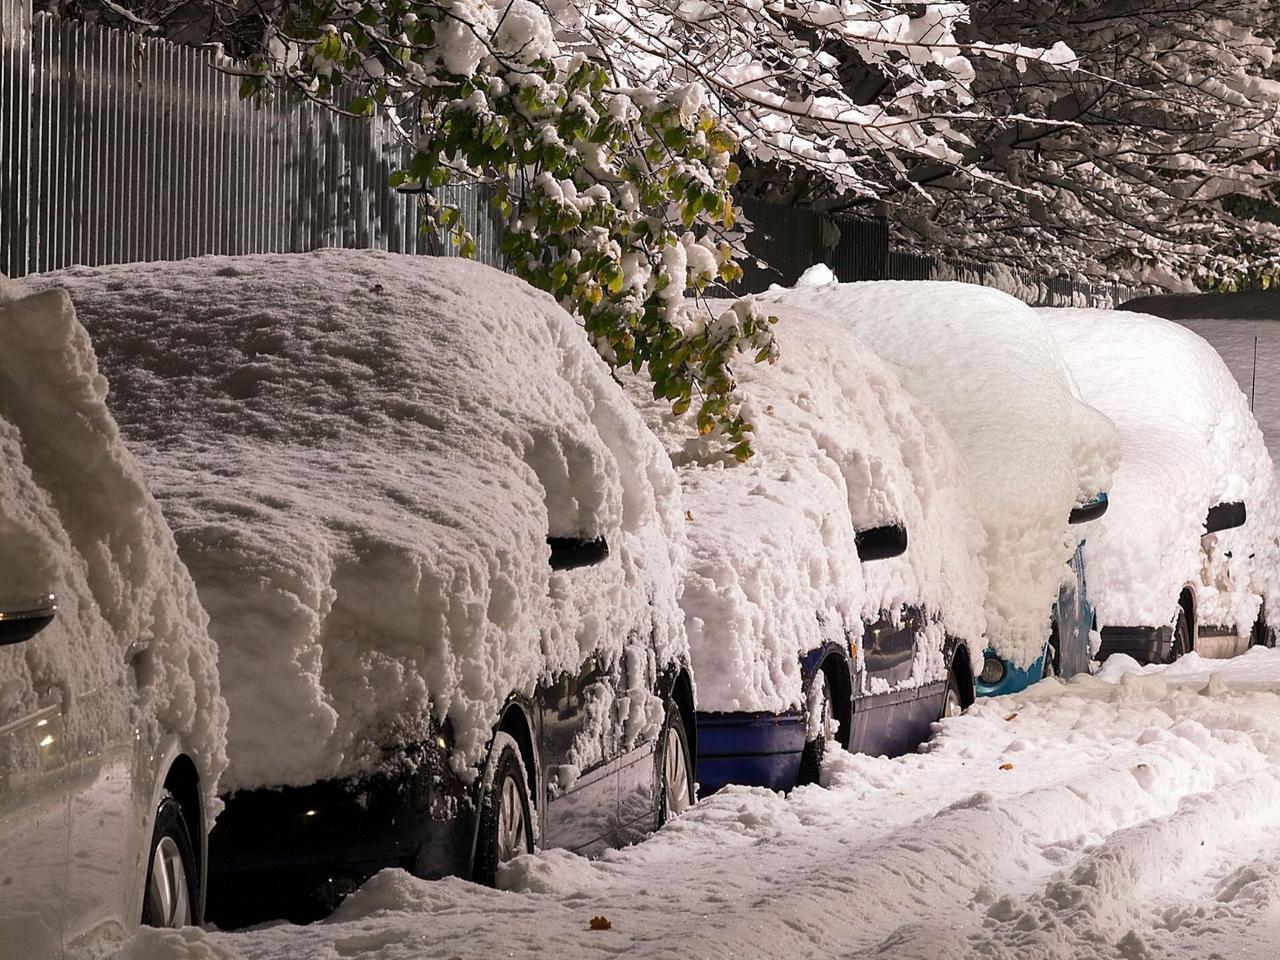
[1125, 816]
[774, 569]
[77, 520]
[1188, 442]
[992, 374]
[362, 456]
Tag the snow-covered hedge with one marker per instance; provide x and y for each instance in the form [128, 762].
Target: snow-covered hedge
[1188, 441]
[362, 456]
[77, 520]
[773, 569]
[992, 374]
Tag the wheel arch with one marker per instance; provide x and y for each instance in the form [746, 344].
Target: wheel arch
[835, 663]
[1187, 602]
[682, 694]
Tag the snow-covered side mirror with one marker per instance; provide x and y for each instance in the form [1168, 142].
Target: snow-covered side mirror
[570, 552]
[19, 625]
[881, 543]
[1224, 516]
[1089, 510]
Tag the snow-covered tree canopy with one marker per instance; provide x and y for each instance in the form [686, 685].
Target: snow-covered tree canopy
[1147, 162]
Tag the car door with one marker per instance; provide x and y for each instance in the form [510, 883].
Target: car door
[1073, 625]
[106, 871]
[888, 653]
[637, 775]
[577, 746]
[34, 831]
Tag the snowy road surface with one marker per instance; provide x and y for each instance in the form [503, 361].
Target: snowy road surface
[1133, 816]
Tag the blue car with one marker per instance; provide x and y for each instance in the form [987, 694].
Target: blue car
[1066, 651]
[867, 710]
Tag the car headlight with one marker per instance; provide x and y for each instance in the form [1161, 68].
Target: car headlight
[992, 671]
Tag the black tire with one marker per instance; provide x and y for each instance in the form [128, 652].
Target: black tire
[816, 749]
[1181, 644]
[491, 851]
[171, 898]
[670, 801]
[1052, 666]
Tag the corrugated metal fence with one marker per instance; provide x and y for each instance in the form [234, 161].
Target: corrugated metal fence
[116, 148]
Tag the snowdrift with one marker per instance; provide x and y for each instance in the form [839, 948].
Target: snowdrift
[362, 456]
[1188, 442]
[773, 568]
[990, 371]
[77, 520]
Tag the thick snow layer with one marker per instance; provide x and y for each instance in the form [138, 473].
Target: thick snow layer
[362, 456]
[1188, 442]
[129, 648]
[1087, 820]
[991, 372]
[1235, 342]
[774, 571]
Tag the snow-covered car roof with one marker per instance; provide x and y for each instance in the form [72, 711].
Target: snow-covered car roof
[774, 570]
[1188, 441]
[77, 520]
[362, 456]
[992, 374]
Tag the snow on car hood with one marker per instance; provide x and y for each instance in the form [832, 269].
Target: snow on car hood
[1188, 441]
[774, 570]
[129, 648]
[993, 376]
[362, 455]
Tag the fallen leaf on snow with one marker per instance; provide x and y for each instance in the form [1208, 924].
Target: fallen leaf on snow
[1006, 766]
[600, 923]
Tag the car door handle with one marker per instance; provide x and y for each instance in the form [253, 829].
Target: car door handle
[17, 626]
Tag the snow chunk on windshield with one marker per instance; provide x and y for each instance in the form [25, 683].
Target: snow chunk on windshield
[363, 455]
[77, 520]
[773, 570]
[1188, 441]
[992, 374]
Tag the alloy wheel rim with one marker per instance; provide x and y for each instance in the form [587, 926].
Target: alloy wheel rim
[951, 707]
[512, 829]
[169, 890]
[675, 776]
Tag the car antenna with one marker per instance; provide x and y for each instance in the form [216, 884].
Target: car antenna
[1253, 382]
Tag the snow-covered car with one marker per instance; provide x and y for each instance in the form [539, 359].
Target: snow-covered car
[440, 553]
[1172, 563]
[832, 591]
[991, 372]
[112, 728]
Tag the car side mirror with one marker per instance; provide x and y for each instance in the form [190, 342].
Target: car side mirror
[570, 552]
[1089, 510]
[17, 626]
[1224, 516]
[881, 543]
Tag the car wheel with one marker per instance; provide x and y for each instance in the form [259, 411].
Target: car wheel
[506, 822]
[172, 881]
[674, 767]
[1181, 637]
[952, 702]
[823, 709]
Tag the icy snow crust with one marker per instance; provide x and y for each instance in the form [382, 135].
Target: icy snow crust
[992, 374]
[77, 520]
[773, 569]
[362, 456]
[1188, 441]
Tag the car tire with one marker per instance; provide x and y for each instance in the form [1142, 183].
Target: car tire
[816, 748]
[172, 891]
[673, 767]
[1181, 643]
[506, 821]
[952, 701]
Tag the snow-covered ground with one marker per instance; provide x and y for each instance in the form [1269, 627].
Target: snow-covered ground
[1127, 815]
